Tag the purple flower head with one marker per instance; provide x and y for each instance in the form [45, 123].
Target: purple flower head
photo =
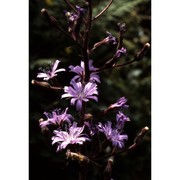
[110, 39]
[121, 103]
[120, 117]
[80, 11]
[120, 120]
[113, 135]
[56, 117]
[120, 52]
[63, 138]
[51, 72]
[79, 93]
[79, 70]
[73, 18]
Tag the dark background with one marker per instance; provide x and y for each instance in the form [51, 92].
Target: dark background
[133, 81]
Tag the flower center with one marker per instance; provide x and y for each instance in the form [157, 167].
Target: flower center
[81, 95]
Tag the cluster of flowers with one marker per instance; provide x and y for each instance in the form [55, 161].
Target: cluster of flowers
[81, 89]
[77, 131]
[79, 92]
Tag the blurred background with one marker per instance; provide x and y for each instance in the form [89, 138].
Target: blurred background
[133, 81]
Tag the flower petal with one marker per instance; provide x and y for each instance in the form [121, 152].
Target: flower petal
[55, 65]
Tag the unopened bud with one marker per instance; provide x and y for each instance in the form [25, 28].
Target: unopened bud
[140, 136]
[52, 20]
[142, 52]
[108, 169]
[41, 83]
[44, 129]
[68, 14]
[44, 12]
[33, 81]
[41, 120]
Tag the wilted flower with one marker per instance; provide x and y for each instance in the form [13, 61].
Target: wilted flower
[63, 138]
[80, 11]
[74, 19]
[120, 52]
[110, 39]
[79, 70]
[113, 135]
[56, 117]
[71, 19]
[51, 72]
[120, 120]
[120, 117]
[79, 93]
[121, 103]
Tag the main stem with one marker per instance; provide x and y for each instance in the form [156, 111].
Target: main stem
[86, 42]
[83, 167]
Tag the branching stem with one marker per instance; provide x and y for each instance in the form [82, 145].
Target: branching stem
[86, 41]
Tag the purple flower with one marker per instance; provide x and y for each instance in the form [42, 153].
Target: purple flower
[110, 39]
[50, 73]
[79, 93]
[113, 135]
[121, 103]
[56, 117]
[79, 70]
[63, 138]
[120, 117]
[120, 120]
[120, 52]
[71, 17]
[80, 11]
[74, 19]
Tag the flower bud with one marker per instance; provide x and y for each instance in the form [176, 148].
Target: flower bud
[139, 55]
[140, 136]
[108, 170]
[52, 20]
